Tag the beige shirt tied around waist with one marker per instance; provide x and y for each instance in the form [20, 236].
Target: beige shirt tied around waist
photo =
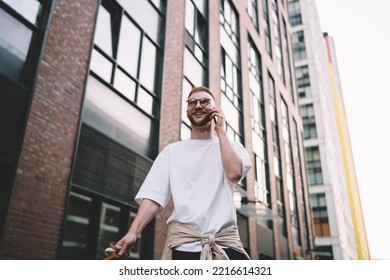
[179, 234]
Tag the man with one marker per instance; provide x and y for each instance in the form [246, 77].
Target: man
[199, 174]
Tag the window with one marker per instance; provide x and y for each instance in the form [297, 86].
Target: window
[91, 223]
[313, 161]
[277, 40]
[294, 12]
[267, 29]
[324, 253]
[251, 8]
[126, 56]
[286, 44]
[231, 102]
[299, 48]
[290, 173]
[308, 119]
[17, 48]
[303, 81]
[277, 164]
[125, 68]
[106, 176]
[320, 214]
[23, 26]
[262, 188]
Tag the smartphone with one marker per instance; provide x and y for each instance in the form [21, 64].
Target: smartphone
[214, 118]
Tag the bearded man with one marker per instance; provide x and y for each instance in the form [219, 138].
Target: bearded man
[199, 174]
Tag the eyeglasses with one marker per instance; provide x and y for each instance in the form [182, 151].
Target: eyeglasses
[202, 101]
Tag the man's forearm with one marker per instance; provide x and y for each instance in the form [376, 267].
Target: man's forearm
[231, 162]
[146, 212]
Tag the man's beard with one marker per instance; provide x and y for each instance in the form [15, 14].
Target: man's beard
[202, 122]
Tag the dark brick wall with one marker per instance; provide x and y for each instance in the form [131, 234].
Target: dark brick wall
[35, 214]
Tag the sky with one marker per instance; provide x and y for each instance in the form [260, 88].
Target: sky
[362, 41]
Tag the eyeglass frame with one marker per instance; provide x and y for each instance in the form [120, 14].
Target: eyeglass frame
[200, 100]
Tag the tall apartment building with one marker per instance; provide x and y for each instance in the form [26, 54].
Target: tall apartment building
[91, 91]
[346, 149]
[335, 202]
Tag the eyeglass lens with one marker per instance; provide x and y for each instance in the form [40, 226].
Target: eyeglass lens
[203, 102]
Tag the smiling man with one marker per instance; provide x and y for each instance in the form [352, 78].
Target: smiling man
[199, 175]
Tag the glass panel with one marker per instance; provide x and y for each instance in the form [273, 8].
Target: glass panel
[110, 114]
[144, 14]
[129, 44]
[229, 72]
[192, 68]
[28, 9]
[254, 85]
[76, 226]
[101, 66]
[228, 45]
[231, 114]
[145, 101]
[14, 44]
[201, 31]
[189, 21]
[148, 64]
[124, 84]
[201, 5]
[276, 166]
[108, 228]
[199, 54]
[103, 36]
[157, 3]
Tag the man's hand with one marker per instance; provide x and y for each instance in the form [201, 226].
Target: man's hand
[146, 212]
[127, 242]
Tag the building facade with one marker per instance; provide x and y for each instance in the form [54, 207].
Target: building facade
[336, 209]
[92, 90]
[347, 155]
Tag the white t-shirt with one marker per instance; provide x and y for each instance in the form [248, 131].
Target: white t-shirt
[191, 172]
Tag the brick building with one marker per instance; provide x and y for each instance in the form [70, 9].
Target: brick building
[91, 91]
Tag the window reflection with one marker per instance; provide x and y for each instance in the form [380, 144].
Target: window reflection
[107, 112]
[267, 30]
[108, 227]
[148, 64]
[145, 101]
[29, 9]
[101, 66]
[145, 15]
[193, 69]
[14, 45]
[77, 222]
[103, 38]
[129, 46]
[127, 59]
[251, 7]
[124, 84]
[299, 48]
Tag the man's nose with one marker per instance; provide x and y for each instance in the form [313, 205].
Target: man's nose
[197, 105]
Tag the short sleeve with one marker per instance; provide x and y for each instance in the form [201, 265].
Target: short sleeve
[244, 156]
[156, 185]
